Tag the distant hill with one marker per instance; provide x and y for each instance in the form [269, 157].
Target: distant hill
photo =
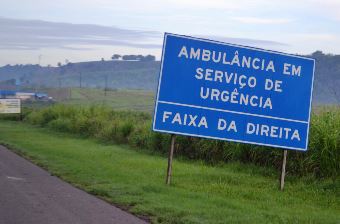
[144, 75]
[95, 74]
[326, 79]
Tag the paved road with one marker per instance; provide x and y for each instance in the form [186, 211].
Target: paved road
[29, 194]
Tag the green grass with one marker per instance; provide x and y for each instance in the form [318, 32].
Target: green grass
[232, 193]
[118, 99]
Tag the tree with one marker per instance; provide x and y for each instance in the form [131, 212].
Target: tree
[318, 54]
[130, 57]
[59, 64]
[116, 57]
[148, 57]
[140, 57]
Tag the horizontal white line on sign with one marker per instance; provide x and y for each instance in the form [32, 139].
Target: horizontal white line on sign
[229, 139]
[230, 111]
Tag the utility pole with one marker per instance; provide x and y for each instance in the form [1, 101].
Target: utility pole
[80, 80]
[105, 89]
[39, 59]
[36, 87]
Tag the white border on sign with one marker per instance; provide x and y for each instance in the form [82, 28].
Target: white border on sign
[231, 111]
[159, 82]
[310, 105]
[211, 137]
[237, 45]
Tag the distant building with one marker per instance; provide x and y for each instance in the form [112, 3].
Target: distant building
[23, 95]
[7, 93]
[10, 84]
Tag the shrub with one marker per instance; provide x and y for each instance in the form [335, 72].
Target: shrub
[61, 124]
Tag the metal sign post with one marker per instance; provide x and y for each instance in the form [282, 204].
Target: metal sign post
[171, 154]
[283, 170]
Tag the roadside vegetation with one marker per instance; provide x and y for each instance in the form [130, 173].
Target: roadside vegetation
[135, 180]
[322, 160]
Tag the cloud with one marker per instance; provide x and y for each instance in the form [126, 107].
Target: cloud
[246, 41]
[257, 20]
[315, 36]
[36, 34]
[211, 4]
[328, 8]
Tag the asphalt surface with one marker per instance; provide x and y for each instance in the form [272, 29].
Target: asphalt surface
[30, 195]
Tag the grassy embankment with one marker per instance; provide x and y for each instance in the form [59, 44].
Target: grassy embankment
[229, 193]
[137, 100]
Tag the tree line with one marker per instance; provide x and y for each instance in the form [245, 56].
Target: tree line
[130, 57]
[133, 57]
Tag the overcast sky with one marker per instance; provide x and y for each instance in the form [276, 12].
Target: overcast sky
[49, 32]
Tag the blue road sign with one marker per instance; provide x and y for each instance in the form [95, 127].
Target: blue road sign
[229, 92]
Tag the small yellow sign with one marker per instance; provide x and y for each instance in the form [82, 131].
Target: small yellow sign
[10, 106]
